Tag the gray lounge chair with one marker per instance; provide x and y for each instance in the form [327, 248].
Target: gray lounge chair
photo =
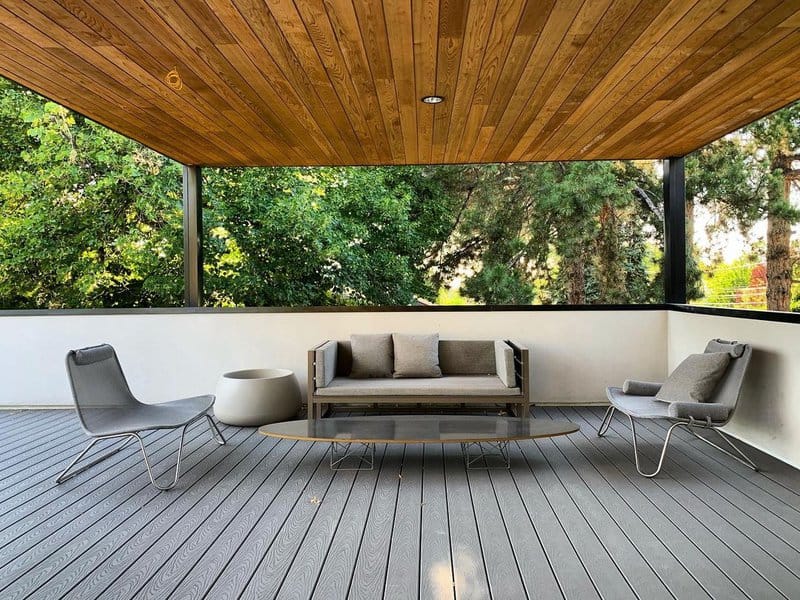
[108, 410]
[710, 415]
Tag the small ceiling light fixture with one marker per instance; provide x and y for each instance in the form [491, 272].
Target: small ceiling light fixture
[432, 99]
[173, 80]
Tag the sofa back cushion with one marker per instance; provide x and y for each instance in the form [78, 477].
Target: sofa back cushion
[456, 357]
[371, 355]
[467, 357]
[416, 355]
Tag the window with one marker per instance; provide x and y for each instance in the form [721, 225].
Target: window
[550, 233]
[743, 217]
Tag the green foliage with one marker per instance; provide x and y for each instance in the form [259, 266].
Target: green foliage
[89, 218]
[559, 233]
[739, 284]
[321, 236]
[744, 178]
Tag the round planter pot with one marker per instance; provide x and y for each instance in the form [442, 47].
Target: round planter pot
[256, 397]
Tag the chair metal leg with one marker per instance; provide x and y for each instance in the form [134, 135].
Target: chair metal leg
[606, 422]
[177, 465]
[63, 476]
[742, 458]
[215, 432]
[663, 449]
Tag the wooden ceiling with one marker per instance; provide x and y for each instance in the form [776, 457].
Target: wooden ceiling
[329, 82]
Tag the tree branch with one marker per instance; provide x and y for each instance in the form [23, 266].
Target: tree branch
[644, 197]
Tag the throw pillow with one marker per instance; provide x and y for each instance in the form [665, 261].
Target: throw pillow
[695, 379]
[372, 355]
[416, 355]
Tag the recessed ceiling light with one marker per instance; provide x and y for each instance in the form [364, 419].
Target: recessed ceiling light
[432, 99]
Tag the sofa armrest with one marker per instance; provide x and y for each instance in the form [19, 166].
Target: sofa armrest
[325, 363]
[504, 363]
[699, 411]
[633, 387]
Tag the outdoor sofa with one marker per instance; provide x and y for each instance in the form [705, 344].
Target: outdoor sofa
[473, 372]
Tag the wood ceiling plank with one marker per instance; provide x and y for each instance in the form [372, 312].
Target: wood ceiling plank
[504, 60]
[269, 128]
[567, 26]
[345, 22]
[161, 40]
[280, 92]
[109, 81]
[452, 28]
[70, 96]
[425, 17]
[480, 21]
[614, 34]
[644, 55]
[322, 38]
[399, 32]
[629, 95]
[293, 51]
[728, 89]
[721, 88]
[291, 82]
[119, 49]
[503, 54]
[372, 24]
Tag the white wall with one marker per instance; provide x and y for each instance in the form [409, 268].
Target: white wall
[574, 355]
[768, 415]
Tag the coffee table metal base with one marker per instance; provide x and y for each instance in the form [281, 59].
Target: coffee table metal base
[344, 458]
[486, 455]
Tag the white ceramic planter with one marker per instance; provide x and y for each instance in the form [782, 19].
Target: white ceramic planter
[256, 397]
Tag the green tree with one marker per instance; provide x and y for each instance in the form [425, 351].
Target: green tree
[558, 232]
[748, 176]
[321, 236]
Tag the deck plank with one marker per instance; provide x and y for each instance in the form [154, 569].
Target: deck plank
[402, 573]
[469, 569]
[369, 574]
[337, 566]
[435, 562]
[570, 519]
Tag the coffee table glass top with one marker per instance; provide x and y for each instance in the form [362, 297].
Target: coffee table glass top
[419, 429]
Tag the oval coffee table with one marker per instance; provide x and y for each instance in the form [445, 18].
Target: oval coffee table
[482, 438]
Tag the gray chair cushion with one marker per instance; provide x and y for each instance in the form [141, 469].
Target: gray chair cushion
[372, 355]
[93, 354]
[416, 355]
[167, 415]
[640, 388]
[735, 349]
[458, 385]
[700, 411]
[647, 407]
[695, 379]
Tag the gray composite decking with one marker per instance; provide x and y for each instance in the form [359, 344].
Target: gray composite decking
[261, 518]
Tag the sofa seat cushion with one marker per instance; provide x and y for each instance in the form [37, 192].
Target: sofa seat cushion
[454, 385]
[636, 406]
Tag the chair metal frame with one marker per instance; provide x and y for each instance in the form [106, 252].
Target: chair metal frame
[129, 437]
[689, 425]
